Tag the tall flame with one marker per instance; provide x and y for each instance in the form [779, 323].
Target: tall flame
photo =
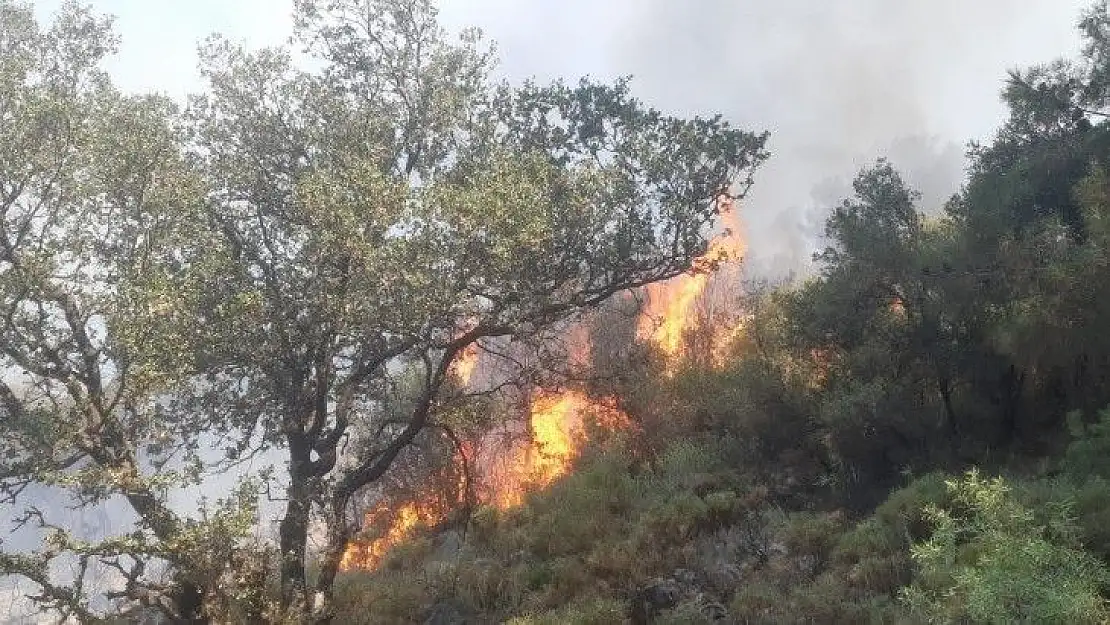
[557, 430]
[556, 420]
[557, 425]
[668, 309]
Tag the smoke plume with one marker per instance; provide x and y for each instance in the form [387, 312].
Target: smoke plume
[838, 84]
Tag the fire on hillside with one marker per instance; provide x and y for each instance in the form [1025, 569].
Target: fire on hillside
[557, 419]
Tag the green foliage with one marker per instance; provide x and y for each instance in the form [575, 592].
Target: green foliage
[1088, 454]
[295, 263]
[96, 194]
[964, 337]
[576, 551]
[377, 600]
[395, 207]
[588, 611]
[987, 560]
[756, 602]
[937, 550]
[1090, 503]
[811, 536]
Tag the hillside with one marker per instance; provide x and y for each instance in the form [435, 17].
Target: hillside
[917, 434]
[365, 332]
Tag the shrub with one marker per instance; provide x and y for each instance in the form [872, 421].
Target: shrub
[811, 536]
[756, 602]
[591, 610]
[987, 561]
[903, 511]
[1091, 507]
[365, 599]
[1089, 451]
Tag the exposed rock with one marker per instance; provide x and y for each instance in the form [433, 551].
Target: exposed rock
[682, 588]
[447, 613]
[658, 595]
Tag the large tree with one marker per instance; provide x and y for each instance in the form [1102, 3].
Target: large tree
[978, 331]
[291, 268]
[383, 212]
[94, 193]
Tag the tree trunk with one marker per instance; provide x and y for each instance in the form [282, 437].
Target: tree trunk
[338, 536]
[188, 603]
[953, 424]
[293, 534]
[188, 600]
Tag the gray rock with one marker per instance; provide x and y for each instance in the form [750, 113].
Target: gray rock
[683, 588]
[447, 613]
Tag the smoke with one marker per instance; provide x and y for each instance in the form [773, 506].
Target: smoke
[837, 84]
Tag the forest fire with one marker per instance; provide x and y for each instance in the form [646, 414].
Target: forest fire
[557, 424]
[668, 308]
[462, 369]
[557, 419]
[368, 554]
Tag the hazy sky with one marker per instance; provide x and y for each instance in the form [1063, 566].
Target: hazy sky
[837, 82]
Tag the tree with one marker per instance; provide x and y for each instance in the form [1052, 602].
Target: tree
[94, 192]
[375, 218]
[1029, 241]
[963, 335]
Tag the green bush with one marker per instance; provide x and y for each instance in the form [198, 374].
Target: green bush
[1088, 454]
[685, 613]
[1091, 507]
[591, 610]
[904, 509]
[988, 561]
[811, 535]
[381, 599]
[756, 602]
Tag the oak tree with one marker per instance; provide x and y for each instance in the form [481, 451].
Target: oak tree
[385, 209]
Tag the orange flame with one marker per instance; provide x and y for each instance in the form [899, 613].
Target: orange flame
[462, 368]
[557, 429]
[664, 317]
[557, 424]
[557, 419]
[669, 305]
[369, 554]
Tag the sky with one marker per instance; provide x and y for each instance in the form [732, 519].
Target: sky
[838, 83]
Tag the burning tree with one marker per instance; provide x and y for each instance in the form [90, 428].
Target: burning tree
[304, 269]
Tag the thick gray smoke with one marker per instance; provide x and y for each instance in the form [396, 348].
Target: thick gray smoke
[837, 83]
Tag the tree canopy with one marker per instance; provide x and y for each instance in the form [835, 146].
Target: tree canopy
[184, 289]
